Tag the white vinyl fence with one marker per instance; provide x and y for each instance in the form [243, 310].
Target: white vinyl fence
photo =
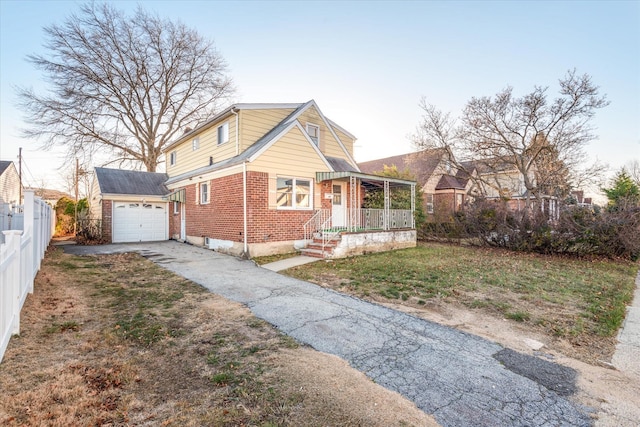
[20, 258]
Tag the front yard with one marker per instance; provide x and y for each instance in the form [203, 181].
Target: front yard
[581, 302]
[118, 340]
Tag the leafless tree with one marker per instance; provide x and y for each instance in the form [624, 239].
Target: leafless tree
[542, 139]
[123, 86]
[633, 167]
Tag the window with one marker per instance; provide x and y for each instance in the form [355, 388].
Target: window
[173, 158]
[430, 203]
[337, 195]
[459, 201]
[294, 193]
[314, 133]
[195, 144]
[223, 133]
[204, 193]
[176, 208]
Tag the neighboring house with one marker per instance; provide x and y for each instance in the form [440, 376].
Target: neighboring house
[10, 187]
[130, 205]
[51, 197]
[259, 179]
[446, 190]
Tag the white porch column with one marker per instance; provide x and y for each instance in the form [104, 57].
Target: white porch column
[387, 203]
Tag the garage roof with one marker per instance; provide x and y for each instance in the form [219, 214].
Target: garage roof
[118, 181]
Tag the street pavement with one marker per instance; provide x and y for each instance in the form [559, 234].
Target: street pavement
[459, 378]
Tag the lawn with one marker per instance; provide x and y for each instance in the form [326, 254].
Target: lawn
[118, 340]
[582, 301]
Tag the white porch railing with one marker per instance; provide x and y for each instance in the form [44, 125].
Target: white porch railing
[20, 259]
[361, 220]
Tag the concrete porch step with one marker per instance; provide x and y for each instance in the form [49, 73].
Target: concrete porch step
[316, 253]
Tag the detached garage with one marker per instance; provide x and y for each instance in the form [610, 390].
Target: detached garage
[132, 205]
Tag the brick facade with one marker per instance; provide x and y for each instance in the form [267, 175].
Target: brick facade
[107, 218]
[222, 217]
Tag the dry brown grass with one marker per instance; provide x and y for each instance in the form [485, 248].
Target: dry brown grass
[117, 340]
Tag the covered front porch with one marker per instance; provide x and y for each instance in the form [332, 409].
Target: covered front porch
[361, 213]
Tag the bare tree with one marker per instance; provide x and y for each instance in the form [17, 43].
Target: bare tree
[633, 166]
[123, 86]
[543, 140]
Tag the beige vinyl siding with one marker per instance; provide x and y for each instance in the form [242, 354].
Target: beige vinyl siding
[290, 156]
[10, 186]
[328, 144]
[254, 124]
[346, 141]
[188, 159]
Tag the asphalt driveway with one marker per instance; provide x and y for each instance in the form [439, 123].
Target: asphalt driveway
[461, 379]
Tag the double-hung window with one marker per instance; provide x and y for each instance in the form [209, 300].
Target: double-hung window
[223, 133]
[294, 193]
[204, 193]
[195, 144]
[173, 158]
[314, 133]
[430, 203]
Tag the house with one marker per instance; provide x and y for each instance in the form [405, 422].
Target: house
[446, 188]
[444, 192]
[259, 179]
[50, 196]
[130, 205]
[10, 185]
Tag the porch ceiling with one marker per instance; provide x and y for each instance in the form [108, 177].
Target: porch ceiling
[372, 181]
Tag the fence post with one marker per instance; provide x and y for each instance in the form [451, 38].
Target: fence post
[13, 240]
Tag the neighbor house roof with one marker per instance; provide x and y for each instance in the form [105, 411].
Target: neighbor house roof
[48, 194]
[449, 181]
[422, 163]
[4, 164]
[118, 181]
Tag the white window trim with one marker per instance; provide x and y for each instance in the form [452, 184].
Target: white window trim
[173, 158]
[176, 208]
[195, 143]
[225, 134]
[206, 192]
[296, 208]
[308, 125]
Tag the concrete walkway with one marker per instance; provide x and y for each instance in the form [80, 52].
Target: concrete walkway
[295, 261]
[627, 355]
[461, 379]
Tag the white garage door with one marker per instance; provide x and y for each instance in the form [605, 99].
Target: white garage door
[139, 222]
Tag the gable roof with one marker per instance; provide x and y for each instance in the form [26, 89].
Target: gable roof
[268, 139]
[448, 182]
[118, 181]
[4, 164]
[422, 163]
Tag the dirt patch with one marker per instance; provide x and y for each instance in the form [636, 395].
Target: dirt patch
[116, 340]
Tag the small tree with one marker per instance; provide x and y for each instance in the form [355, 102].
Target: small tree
[399, 197]
[624, 191]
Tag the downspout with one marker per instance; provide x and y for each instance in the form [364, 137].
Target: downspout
[244, 207]
[237, 131]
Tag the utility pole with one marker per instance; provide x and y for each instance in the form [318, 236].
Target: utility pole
[75, 217]
[20, 175]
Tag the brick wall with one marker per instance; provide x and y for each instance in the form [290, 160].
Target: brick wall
[107, 218]
[174, 221]
[270, 225]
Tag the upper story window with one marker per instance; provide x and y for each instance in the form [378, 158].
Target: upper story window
[223, 133]
[314, 133]
[195, 144]
[173, 158]
[294, 193]
[204, 193]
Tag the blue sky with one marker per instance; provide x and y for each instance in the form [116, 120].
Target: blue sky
[367, 64]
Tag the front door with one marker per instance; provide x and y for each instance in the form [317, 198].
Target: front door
[338, 206]
[183, 222]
